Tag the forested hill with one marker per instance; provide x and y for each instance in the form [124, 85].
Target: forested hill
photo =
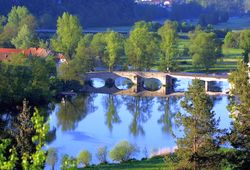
[90, 12]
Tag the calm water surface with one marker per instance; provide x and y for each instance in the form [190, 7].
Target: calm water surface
[93, 120]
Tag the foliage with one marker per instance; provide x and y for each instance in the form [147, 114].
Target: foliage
[123, 151]
[205, 49]
[169, 49]
[113, 50]
[68, 34]
[245, 44]
[232, 40]
[198, 148]
[17, 18]
[10, 161]
[102, 154]
[24, 38]
[84, 158]
[142, 47]
[33, 75]
[239, 136]
[52, 157]
[68, 163]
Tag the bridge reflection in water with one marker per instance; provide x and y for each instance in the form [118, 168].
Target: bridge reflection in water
[138, 78]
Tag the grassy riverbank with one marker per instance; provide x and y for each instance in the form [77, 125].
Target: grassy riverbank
[156, 163]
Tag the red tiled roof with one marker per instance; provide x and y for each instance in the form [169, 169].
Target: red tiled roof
[5, 53]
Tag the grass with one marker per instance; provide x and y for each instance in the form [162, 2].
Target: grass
[155, 163]
[225, 64]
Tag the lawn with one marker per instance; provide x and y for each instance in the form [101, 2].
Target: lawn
[156, 163]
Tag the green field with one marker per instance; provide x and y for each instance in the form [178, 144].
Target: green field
[225, 64]
[156, 163]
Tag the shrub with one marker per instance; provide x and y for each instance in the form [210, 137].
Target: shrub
[84, 157]
[68, 163]
[102, 154]
[123, 151]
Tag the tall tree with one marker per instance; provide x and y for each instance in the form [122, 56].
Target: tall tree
[142, 47]
[198, 147]
[205, 49]
[240, 109]
[24, 38]
[245, 44]
[68, 34]
[168, 60]
[114, 49]
[17, 18]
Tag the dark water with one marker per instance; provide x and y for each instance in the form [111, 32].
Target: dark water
[92, 120]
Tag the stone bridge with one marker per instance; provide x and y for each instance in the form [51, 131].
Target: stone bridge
[137, 78]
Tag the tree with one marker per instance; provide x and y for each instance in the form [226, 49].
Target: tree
[2, 20]
[68, 163]
[205, 49]
[114, 49]
[68, 34]
[168, 60]
[123, 151]
[24, 38]
[102, 154]
[17, 18]
[245, 44]
[84, 157]
[198, 147]
[98, 45]
[52, 157]
[7, 162]
[142, 47]
[232, 40]
[239, 108]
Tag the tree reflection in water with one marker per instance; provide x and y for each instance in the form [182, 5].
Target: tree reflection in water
[74, 110]
[111, 105]
[169, 108]
[140, 108]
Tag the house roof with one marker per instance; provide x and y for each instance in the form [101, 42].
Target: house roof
[5, 53]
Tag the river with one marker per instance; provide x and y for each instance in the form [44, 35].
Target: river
[89, 121]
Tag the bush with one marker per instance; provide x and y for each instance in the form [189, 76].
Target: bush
[84, 157]
[123, 151]
[102, 154]
[68, 163]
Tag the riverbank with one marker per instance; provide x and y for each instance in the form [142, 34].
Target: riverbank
[155, 163]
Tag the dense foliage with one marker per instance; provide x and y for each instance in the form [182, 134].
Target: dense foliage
[90, 13]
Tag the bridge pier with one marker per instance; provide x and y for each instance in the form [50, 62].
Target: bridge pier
[206, 86]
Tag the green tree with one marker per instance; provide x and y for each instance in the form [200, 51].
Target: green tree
[142, 47]
[198, 147]
[169, 52]
[98, 45]
[17, 18]
[205, 49]
[84, 158]
[114, 49]
[24, 38]
[239, 107]
[68, 163]
[123, 151]
[245, 44]
[232, 40]
[52, 157]
[68, 34]
[5, 149]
